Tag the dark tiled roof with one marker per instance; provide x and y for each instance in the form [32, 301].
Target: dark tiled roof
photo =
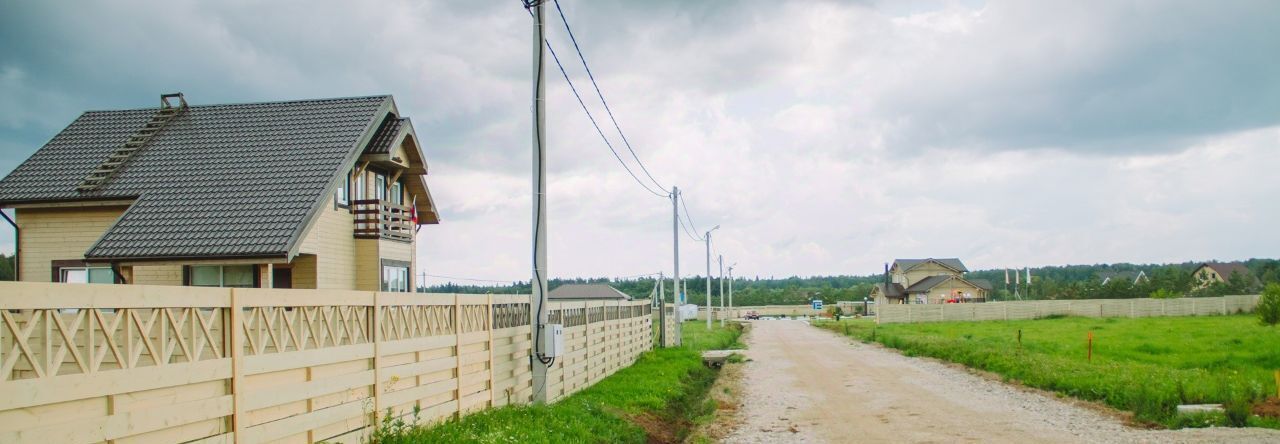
[386, 135]
[927, 283]
[1225, 269]
[219, 180]
[907, 264]
[894, 290]
[586, 291]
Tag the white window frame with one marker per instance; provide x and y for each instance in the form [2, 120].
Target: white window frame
[397, 193]
[62, 274]
[379, 186]
[395, 278]
[342, 195]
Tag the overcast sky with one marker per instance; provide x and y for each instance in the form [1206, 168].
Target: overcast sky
[826, 137]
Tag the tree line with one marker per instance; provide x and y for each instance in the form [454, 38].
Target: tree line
[1055, 282]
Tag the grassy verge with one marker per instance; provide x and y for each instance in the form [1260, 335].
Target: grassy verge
[656, 399]
[1146, 366]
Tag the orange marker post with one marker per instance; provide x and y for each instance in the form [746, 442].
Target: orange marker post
[1090, 346]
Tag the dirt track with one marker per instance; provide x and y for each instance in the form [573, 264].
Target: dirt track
[804, 384]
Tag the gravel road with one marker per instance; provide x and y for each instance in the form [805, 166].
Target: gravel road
[809, 385]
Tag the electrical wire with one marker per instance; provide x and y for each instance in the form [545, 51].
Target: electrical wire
[685, 205]
[595, 124]
[687, 232]
[604, 102]
[467, 279]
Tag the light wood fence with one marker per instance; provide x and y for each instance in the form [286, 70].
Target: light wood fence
[126, 363]
[1097, 308]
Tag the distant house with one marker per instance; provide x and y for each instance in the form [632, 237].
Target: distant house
[929, 281]
[1211, 272]
[585, 292]
[1132, 277]
[325, 193]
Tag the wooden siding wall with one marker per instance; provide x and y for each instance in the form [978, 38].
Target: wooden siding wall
[157, 275]
[1095, 308]
[93, 363]
[333, 242]
[50, 234]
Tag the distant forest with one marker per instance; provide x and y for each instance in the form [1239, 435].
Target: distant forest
[1057, 282]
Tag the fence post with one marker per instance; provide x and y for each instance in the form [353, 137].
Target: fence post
[236, 330]
[488, 320]
[1193, 308]
[1131, 302]
[375, 320]
[457, 355]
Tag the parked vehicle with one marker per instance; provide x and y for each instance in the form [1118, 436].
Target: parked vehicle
[752, 315]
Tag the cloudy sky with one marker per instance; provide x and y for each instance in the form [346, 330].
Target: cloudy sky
[826, 137]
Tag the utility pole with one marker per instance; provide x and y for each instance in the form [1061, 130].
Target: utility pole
[662, 311]
[721, 260]
[707, 239]
[537, 362]
[731, 286]
[675, 255]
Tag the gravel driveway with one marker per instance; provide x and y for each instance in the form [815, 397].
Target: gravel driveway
[804, 384]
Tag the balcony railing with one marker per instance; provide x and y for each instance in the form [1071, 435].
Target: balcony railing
[378, 219]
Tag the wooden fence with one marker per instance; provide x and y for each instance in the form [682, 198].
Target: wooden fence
[1097, 308]
[127, 363]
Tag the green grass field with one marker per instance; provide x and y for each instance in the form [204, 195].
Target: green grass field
[1146, 366]
[664, 389]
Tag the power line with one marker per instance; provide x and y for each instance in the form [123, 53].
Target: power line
[604, 102]
[689, 233]
[574, 89]
[639, 275]
[685, 205]
[468, 279]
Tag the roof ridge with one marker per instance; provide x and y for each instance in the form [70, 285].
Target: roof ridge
[273, 102]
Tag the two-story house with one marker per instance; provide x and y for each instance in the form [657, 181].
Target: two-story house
[1209, 273]
[929, 281]
[324, 193]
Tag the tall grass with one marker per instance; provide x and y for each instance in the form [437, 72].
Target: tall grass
[1146, 366]
[665, 387]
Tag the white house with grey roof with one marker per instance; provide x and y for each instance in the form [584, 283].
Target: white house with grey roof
[325, 193]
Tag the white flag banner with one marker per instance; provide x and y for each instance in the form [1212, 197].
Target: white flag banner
[1028, 275]
[1006, 276]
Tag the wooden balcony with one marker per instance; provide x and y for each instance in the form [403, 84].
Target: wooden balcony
[378, 219]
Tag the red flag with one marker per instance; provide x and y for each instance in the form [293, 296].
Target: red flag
[414, 212]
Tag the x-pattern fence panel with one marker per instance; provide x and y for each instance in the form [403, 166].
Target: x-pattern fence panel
[42, 343]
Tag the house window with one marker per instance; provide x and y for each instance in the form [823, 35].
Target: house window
[341, 195]
[380, 186]
[88, 275]
[359, 186]
[223, 276]
[397, 193]
[395, 276]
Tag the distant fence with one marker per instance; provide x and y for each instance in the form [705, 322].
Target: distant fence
[1096, 308]
[93, 363]
[762, 310]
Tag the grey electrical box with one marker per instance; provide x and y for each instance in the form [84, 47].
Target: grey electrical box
[552, 340]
